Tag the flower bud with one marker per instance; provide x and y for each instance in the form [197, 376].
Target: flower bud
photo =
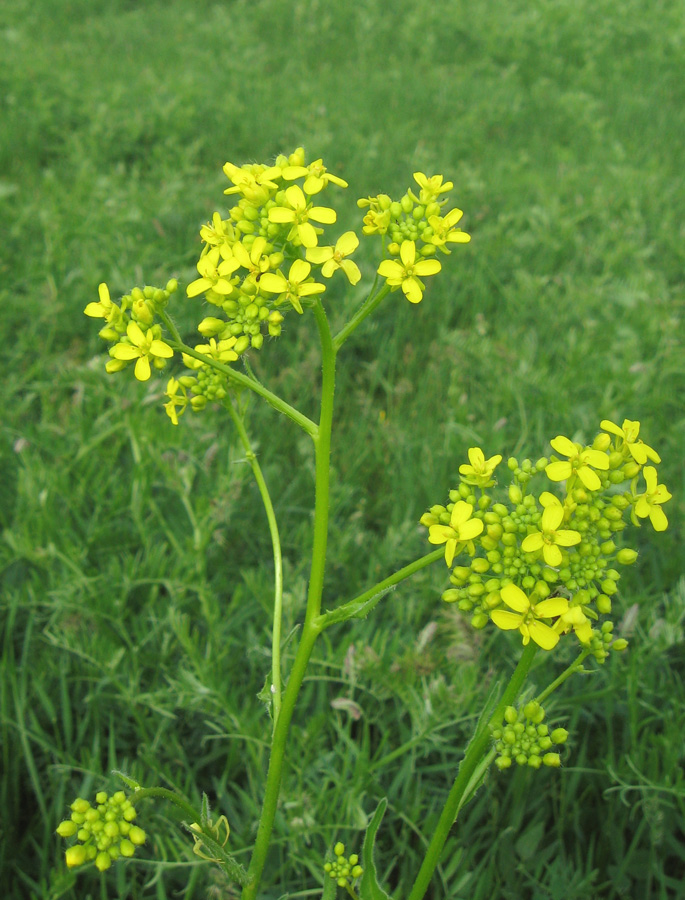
[75, 856]
[630, 470]
[515, 494]
[552, 759]
[601, 442]
[626, 556]
[103, 861]
[559, 736]
[66, 829]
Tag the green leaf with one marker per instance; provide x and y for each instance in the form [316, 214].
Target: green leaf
[369, 889]
[353, 610]
[129, 782]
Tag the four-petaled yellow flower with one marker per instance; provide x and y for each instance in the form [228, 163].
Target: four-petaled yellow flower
[105, 309]
[550, 537]
[406, 274]
[480, 470]
[526, 616]
[444, 230]
[175, 401]
[579, 463]
[143, 347]
[432, 187]
[213, 273]
[332, 258]
[649, 503]
[629, 431]
[253, 259]
[218, 232]
[294, 286]
[299, 213]
[462, 528]
[316, 177]
[253, 182]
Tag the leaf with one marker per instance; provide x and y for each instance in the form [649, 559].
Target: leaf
[369, 889]
[129, 782]
[353, 610]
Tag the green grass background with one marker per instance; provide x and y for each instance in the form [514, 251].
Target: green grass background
[135, 568]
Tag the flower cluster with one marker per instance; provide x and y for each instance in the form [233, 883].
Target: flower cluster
[342, 869]
[131, 330]
[541, 562]
[524, 739]
[105, 831]
[413, 220]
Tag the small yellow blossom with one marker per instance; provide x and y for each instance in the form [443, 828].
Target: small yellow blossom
[431, 187]
[406, 274]
[252, 259]
[580, 462]
[105, 308]
[252, 181]
[332, 258]
[480, 470]
[143, 346]
[649, 503]
[315, 174]
[219, 232]
[294, 286]
[175, 401]
[550, 537]
[526, 616]
[213, 273]
[462, 528]
[444, 231]
[574, 618]
[298, 212]
[629, 431]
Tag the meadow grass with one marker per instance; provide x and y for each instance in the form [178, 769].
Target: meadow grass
[135, 564]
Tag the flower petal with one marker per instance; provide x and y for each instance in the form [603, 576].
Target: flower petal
[507, 621]
[543, 635]
[514, 597]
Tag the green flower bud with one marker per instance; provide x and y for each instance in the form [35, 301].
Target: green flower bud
[559, 736]
[171, 286]
[552, 759]
[103, 861]
[66, 829]
[510, 715]
[534, 761]
[339, 849]
[136, 835]
[619, 644]
[356, 871]
[75, 856]
[515, 493]
[503, 762]
[80, 805]
[626, 556]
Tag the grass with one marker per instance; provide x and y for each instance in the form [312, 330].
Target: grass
[134, 594]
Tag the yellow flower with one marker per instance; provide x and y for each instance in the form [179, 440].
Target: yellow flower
[462, 528]
[332, 258]
[480, 470]
[172, 392]
[526, 616]
[252, 181]
[299, 213]
[221, 351]
[550, 538]
[253, 259]
[649, 503]
[575, 619]
[431, 187]
[406, 274]
[294, 286]
[444, 231]
[218, 232]
[143, 346]
[315, 174]
[579, 463]
[105, 309]
[213, 273]
[629, 431]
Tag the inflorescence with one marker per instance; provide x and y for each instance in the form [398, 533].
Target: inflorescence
[104, 832]
[545, 562]
[262, 260]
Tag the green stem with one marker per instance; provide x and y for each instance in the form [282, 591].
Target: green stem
[278, 561]
[190, 811]
[337, 614]
[275, 772]
[243, 380]
[311, 629]
[476, 750]
[574, 667]
[367, 307]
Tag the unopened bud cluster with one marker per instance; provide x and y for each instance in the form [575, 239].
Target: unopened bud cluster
[544, 561]
[526, 740]
[104, 831]
[343, 869]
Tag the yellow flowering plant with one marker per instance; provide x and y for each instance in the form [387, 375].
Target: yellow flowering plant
[537, 558]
